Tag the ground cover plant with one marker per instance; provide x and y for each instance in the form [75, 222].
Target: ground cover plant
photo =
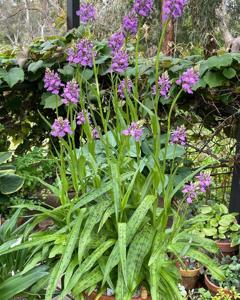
[121, 174]
[216, 222]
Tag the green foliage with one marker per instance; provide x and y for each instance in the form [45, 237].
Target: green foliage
[215, 222]
[204, 295]
[231, 267]
[88, 241]
[13, 76]
[35, 165]
[9, 181]
[222, 295]
[113, 231]
[13, 279]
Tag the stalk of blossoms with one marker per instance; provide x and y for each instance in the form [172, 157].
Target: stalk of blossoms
[155, 123]
[160, 45]
[173, 9]
[99, 100]
[135, 90]
[87, 13]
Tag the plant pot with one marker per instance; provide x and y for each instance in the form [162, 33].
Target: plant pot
[189, 278]
[226, 249]
[93, 297]
[213, 288]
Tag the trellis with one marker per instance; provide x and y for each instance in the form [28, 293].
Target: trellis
[73, 22]
[235, 193]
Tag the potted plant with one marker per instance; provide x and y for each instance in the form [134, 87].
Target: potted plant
[202, 294]
[199, 294]
[231, 268]
[217, 223]
[190, 270]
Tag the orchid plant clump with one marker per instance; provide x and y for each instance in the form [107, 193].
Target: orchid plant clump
[113, 233]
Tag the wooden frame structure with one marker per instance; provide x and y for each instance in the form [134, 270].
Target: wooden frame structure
[235, 192]
[73, 20]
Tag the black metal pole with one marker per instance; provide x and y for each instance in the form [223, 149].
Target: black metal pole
[72, 18]
[235, 193]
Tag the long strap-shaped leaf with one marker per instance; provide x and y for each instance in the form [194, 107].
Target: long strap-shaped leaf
[19, 283]
[208, 262]
[154, 282]
[132, 227]
[95, 194]
[95, 216]
[70, 269]
[8, 227]
[10, 247]
[66, 257]
[138, 216]
[52, 213]
[169, 285]
[138, 250]
[121, 288]
[116, 189]
[86, 266]
[91, 279]
[122, 240]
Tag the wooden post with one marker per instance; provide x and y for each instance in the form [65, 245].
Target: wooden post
[235, 193]
[72, 18]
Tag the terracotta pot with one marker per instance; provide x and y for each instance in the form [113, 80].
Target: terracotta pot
[226, 248]
[189, 278]
[93, 296]
[213, 288]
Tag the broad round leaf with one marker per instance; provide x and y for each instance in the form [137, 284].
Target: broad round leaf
[4, 157]
[10, 183]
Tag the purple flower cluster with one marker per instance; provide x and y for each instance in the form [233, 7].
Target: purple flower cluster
[119, 62]
[124, 87]
[179, 136]
[61, 127]
[87, 13]
[130, 21]
[173, 9]
[164, 84]
[192, 190]
[52, 82]
[188, 79]
[204, 181]
[129, 27]
[116, 41]
[71, 93]
[95, 134]
[83, 54]
[81, 118]
[143, 7]
[130, 24]
[133, 130]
